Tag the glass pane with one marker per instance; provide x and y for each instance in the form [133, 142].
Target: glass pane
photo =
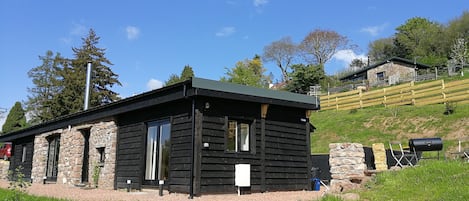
[23, 157]
[165, 141]
[53, 157]
[150, 164]
[231, 138]
[244, 135]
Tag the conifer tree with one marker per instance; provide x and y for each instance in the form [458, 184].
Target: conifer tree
[16, 119]
[186, 74]
[74, 75]
[45, 78]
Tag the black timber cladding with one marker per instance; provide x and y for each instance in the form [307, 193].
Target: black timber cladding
[132, 130]
[17, 154]
[280, 162]
[279, 152]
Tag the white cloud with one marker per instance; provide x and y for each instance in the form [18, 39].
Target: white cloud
[346, 57]
[374, 30]
[66, 40]
[3, 116]
[231, 2]
[78, 30]
[226, 31]
[258, 3]
[154, 84]
[132, 32]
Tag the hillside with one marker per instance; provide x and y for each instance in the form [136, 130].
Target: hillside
[380, 124]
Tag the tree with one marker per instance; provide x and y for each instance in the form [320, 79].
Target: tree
[187, 73]
[74, 75]
[248, 72]
[15, 120]
[319, 46]
[459, 53]
[45, 78]
[305, 76]
[282, 52]
[382, 49]
[357, 63]
[458, 28]
[423, 40]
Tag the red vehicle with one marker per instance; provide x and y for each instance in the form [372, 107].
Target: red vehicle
[5, 151]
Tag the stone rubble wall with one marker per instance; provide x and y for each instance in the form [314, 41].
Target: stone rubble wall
[347, 161]
[4, 167]
[39, 164]
[103, 135]
[70, 163]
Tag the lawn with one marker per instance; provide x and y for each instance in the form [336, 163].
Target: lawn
[432, 180]
[7, 195]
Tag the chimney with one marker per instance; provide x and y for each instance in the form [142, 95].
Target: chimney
[87, 89]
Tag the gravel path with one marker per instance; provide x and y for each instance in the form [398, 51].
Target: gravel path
[80, 194]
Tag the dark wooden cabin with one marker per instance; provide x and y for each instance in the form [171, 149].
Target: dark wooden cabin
[191, 135]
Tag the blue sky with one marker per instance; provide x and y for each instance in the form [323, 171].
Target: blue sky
[147, 41]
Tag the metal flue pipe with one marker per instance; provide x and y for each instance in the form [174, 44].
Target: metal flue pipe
[87, 89]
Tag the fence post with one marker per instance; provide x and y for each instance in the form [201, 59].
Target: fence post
[384, 97]
[360, 95]
[336, 103]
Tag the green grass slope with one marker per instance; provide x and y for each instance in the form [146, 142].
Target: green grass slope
[432, 180]
[381, 125]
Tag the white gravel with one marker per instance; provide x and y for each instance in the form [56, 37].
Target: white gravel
[81, 194]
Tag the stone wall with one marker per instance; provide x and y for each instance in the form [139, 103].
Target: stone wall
[347, 161]
[41, 146]
[4, 166]
[391, 69]
[70, 156]
[103, 136]
[70, 163]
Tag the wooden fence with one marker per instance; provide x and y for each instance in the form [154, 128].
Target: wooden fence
[405, 94]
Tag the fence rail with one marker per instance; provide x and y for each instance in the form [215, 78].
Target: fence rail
[405, 94]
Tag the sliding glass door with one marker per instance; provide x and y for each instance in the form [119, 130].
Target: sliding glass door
[157, 152]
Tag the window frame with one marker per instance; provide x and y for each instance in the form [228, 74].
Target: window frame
[159, 167]
[381, 75]
[238, 148]
[24, 150]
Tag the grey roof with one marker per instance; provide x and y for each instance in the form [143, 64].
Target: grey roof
[252, 91]
[419, 65]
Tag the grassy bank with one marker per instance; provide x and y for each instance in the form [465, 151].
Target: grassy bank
[433, 180]
[380, 124]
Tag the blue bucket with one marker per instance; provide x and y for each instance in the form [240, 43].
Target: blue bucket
[316, 184]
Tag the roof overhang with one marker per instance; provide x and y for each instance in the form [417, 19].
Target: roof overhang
[183, 90]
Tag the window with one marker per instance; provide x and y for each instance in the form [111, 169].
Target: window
[380, 75]
[23, 156]
[237, 137]
[53, 157]
[102, 155]
[157, 152]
